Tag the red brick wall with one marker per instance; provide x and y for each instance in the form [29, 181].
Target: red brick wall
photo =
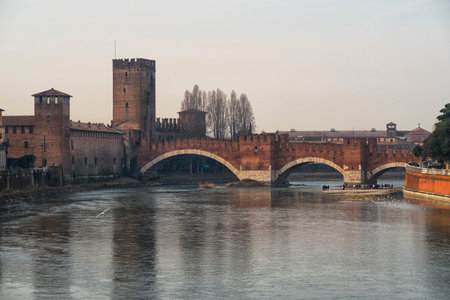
[16, 144]
[431, 183]
[104, 153]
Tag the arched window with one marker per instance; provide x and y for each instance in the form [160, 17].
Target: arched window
[126, 74]
[126, 105]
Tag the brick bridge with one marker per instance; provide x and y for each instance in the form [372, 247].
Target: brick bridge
[270, 158]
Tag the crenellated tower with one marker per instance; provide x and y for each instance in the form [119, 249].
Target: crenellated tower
[134, 95]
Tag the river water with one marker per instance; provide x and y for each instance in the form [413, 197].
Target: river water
[179, 242]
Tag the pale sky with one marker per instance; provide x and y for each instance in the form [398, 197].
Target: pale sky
[304, 64]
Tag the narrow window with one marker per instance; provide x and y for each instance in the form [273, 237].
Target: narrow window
[95, 161]
[14, 130]
[85, 161]
[124, 90]
[22, 129]
[25, 145]
[48, 117]
[44, 145]
[71, 144]
[6, 129]
[126, 74]
[44, 162]
[126, 105]
[40, 99]
[56, 100]
[114, 161]
[31, 129]
[48, 100]
[73, 160]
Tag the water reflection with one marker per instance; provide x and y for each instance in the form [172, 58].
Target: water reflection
[181, 242]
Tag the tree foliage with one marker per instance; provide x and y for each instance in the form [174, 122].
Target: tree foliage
[437, 145]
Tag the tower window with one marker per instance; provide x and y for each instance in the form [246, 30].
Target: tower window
[126, 74]
[95, 161]
[56, 100]
[6, 129]
[48, 100]
[85, 161]
[114, 161]
[48, 117]
[124, 90]
[71, 144]
[25, 145]
[40, 99]
[31, 129]
[126, 105]
[22, 129]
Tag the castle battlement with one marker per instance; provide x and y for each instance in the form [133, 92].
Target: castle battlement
[129, 63]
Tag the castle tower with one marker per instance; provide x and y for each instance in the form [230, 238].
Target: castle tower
[134, 95]
[52, 128]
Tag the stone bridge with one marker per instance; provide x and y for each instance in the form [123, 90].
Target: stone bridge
[270, 158]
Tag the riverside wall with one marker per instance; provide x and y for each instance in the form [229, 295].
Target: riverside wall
[430, 183]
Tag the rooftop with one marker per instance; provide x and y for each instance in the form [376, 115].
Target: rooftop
[51, 93]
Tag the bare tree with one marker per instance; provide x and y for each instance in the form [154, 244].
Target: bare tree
[234, 115]
[247, 119]
[194, 100]
[217, 114]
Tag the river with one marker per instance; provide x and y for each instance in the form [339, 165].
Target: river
[180, 242]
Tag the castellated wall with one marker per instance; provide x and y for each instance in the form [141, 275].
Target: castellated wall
[95, 153]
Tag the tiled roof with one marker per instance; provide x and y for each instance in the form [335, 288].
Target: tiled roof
[419, 131]
[91, 127]
[126, 125]
[51, 93]
[391, 123]
[18, 120]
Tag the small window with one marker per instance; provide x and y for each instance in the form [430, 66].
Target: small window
[25, 145]
[85, 161]
[114, 161]
[126, 74]
[40, 99]
[22, 129]
[71, 144]
[56, 100]
[126, 105]
[95, 161]
[44, 162]
[6, 129]
[48, 100]
[31, 129]
[14, 130]
[48, 117]
[124, 90]
[73, 160]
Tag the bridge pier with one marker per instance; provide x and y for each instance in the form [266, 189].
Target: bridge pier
[354, 177]
[264, 176]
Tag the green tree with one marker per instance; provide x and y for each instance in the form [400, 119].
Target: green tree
[437, 145]
[417, 150]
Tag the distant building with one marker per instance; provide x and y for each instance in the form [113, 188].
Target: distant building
[390, 136]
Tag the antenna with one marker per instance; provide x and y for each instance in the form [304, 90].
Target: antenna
[115, 52]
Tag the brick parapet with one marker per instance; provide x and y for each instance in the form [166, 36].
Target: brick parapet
[133, 63]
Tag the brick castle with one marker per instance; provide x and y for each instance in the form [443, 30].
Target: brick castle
[95, 149]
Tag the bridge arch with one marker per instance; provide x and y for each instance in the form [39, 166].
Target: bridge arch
[167, 155]
[284, 171]
[378, 171]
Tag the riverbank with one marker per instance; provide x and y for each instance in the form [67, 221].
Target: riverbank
[47, 191]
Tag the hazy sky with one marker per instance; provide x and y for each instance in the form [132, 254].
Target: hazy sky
[304, 64]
